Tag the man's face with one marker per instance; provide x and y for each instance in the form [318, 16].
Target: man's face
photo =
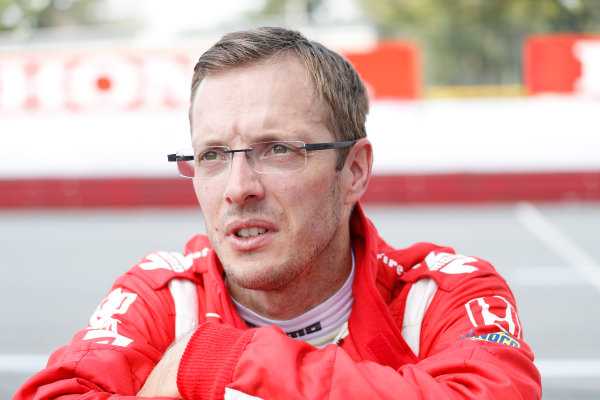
[293, 220]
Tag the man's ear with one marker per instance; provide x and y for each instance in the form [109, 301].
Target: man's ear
[357, 170]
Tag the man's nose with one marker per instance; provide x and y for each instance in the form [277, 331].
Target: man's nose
[244, 185]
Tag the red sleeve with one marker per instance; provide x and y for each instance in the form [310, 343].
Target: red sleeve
[458, 360]
[122, 343]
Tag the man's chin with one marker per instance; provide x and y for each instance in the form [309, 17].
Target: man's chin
[257, 278]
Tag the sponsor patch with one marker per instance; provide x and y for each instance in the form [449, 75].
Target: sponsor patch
[171, 261]
[450, 263]
[494, 310]
[390, 262]
[496, 337]
[103, 327]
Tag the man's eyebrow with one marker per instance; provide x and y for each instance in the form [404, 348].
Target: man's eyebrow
[208, 142]
[258, 138]
[277, 136]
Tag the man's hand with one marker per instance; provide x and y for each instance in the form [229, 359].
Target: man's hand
[162, 381]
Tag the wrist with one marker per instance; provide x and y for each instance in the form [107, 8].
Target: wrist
[209, 360]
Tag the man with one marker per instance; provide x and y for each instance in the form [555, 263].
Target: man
[292, 294]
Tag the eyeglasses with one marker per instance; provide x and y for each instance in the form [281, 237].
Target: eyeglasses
[276, 157]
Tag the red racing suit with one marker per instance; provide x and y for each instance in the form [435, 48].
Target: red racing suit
[425, 324]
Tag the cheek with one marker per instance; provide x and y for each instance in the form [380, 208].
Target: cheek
[303, 196]
[287, 189]
[204, 191]
[287, 192]
[207, 198]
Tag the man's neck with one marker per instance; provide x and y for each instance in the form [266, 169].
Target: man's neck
[318, 326]
[318, 282]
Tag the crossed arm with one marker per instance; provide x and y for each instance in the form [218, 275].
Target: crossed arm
[162, 381]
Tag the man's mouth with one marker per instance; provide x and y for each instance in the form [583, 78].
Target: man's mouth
[246, 233]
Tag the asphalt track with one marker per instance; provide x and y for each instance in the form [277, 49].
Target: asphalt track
[57, 265]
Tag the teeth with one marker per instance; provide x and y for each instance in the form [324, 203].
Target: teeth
[249, 232]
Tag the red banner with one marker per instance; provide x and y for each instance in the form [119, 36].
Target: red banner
[562, 63]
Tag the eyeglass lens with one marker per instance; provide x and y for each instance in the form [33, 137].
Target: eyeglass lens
[265, 157]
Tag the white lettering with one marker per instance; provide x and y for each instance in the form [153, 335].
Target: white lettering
[102, 81]
[391, 263]
[175, 262]
[81, 81]
[450, 263]
[103, 325]
[490, 318]
[588, 53]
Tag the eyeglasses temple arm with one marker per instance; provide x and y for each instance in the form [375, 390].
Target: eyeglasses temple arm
[327, 146]
[175, 157]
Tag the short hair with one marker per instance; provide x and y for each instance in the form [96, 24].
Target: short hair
[336, 82]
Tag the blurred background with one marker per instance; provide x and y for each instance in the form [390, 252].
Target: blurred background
[483, 120]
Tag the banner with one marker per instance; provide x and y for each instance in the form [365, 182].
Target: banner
[562, 64]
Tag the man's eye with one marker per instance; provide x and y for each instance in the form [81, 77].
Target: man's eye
[280, 149]
[209, 155]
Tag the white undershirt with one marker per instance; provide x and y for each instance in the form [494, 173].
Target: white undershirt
[318, 326]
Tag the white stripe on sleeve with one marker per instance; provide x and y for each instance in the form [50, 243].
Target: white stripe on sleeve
[419, 297]
[185, 298]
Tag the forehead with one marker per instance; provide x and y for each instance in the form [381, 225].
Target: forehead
[266, 98]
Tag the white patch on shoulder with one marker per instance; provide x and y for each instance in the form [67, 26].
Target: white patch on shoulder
[450, 263]
[171, 261]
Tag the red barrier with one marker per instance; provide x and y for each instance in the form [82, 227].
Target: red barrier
[484, 187]
[553, 64]
[392, 70]
[89, 192]
[395, 189]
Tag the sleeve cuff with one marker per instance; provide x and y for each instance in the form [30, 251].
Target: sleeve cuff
[209, 360]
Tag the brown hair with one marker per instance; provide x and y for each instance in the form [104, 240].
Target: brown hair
[338, 85]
